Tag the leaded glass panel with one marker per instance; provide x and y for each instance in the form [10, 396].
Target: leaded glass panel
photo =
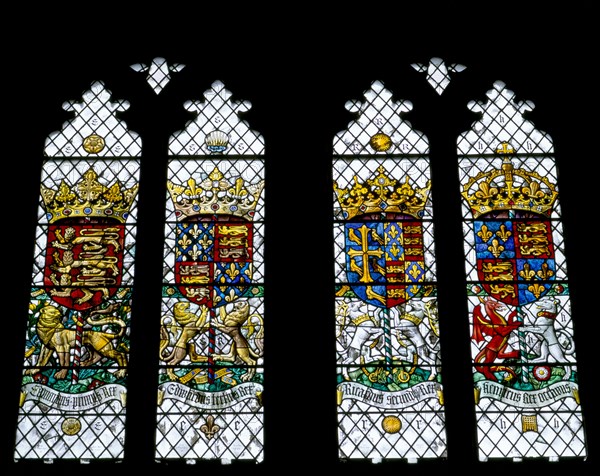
[212, 325]
[389, 385]
[522, 337]
[74, 388]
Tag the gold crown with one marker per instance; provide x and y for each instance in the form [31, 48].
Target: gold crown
[382, 194]
[88, 199]
[507, 188]
[215, 196]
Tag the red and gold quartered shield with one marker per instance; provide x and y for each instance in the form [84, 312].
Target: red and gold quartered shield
[213, 260]
[515, 258]
[84, 262]
[385, 260]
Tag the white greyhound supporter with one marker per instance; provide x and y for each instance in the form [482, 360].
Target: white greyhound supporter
[551, 349]
[409, 328]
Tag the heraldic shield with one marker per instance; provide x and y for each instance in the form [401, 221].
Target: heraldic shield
[85, 241]
[385, 260]
[84, 262]
[515, 258]
[214, 237]
[214, 260]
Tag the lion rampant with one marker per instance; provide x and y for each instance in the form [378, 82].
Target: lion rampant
[190, 325]
[231, 324]
[180, 331]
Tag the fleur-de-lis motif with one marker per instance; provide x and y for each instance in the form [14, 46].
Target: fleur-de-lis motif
[195, 232]
[232, 271]
[210, 428]
[484, 233]
[184, 241]
[231, 296]
[527, 273]
[205, 242]
[395, 251]
[545, 272]
[414, 271]
[503, 233]
[496, 248]
[393, 231]
[536, 289]
[414, 289]
[195, 253]
[192, 190]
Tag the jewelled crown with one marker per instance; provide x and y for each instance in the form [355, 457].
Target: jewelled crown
[382, 194]
[507, 188]
[88, 198]
[215, 196]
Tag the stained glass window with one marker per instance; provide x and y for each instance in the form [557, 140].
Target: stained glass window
[212, 331]
[300, 425]
[74, 387]
[389, 385]
[522, 336]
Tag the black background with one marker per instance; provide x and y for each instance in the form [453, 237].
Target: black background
[298, 69]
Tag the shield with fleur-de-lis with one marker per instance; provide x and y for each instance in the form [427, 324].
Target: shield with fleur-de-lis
[213, 260]
[515, 258]
[385, 260]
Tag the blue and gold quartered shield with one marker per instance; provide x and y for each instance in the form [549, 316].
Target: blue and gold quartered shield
[213, 260]
[515, 258]
[385, 260]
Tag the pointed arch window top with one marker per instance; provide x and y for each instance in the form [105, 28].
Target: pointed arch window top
[385, 287]
[501, 122]
[379, 127]
[217, 129]
[95, 130]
